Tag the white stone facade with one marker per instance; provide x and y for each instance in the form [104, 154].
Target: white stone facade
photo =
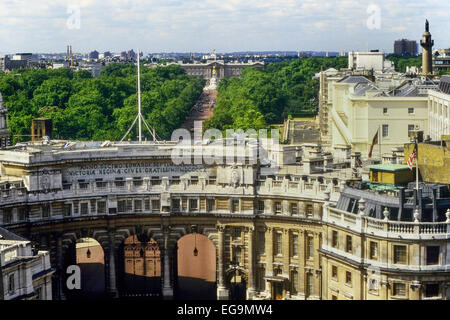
[25, 276]
[438, 114]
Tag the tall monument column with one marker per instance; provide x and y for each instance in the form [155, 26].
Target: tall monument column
[427, 46]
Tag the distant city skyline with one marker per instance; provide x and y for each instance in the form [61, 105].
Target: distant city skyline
[48, 26]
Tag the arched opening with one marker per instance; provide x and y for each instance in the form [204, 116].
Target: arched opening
[196, 268]
[237, 283]
[141, 268]
[89, 256]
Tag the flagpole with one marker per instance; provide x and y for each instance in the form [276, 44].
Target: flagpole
[379, 138]
[417, 164]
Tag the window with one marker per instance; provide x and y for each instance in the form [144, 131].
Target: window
[101, 206]
[348, 277]
[399, 289]
[129, 205]
[83, 184]
[433, 255]
[194, 180]
[294, 245]
[348, 245]
[93, 206]
[410, 129]
[237, 233]
[121, 204]
[45, 211]
[234, 205]
[309, 284]
[277, 207]
[155, 181]
[277, 271]
[137, 181]
[7, 216]
[156, 205]
[334, 239]
[294, 282]
[261, 242]
[175, 180]
[261, 206]
[310, 247]
[119, 182]
[138, 205]
[147, 204]
[39, 293]
[400, 254]
[211, 203]
[67, 210]
[278, 244]
[99, 183]
[294, 209]
[385, 130]
[11, 286]
[309, 210]
[410, 110]
[76, 207]
[385, 110]
[212, 180]
[84, 209]
[22, 213]
[432, 290]
[176, 204]
[334, 272]
[193, 204]
[373, 250]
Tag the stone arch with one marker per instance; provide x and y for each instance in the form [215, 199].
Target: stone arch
[236, 279]
[139, 267]
[196, 265]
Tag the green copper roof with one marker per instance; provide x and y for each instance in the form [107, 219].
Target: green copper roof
[388, 167]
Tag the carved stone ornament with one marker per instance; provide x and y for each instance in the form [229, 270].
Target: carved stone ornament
[235, 177]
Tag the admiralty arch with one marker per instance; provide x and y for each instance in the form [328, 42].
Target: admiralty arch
[140, 226]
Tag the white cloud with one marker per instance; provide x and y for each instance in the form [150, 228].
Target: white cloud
[198, 25]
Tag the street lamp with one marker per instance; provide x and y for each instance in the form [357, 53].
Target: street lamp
[195, 245]
[88, 252]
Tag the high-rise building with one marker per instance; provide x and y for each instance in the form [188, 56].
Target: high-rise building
[93, 55]
[441, 60]
[405, 47]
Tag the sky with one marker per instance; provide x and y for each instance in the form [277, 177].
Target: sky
[225, 25]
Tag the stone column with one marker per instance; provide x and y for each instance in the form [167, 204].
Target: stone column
[167, 289]
[251, 264]
[111, 274]
[222, 291]
[60, 265]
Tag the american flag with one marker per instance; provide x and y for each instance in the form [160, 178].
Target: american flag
[412, 156]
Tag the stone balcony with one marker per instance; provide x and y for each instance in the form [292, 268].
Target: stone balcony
[388, 229]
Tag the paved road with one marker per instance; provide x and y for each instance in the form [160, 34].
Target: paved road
[202, 110]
